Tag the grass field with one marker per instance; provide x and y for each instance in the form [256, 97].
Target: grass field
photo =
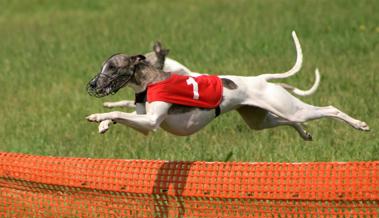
[49, 51]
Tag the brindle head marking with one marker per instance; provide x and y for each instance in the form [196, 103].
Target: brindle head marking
[115, 73]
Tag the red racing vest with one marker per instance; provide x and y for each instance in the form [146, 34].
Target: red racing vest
[203, 91]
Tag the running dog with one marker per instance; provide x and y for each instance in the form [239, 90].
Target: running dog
[184, 102]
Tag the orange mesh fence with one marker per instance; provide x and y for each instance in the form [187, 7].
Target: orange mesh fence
[37, 186]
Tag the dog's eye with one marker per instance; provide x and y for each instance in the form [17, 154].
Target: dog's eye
[111, 67]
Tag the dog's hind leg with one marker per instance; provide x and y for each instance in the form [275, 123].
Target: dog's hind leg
[258, 119]
[278, 101]
[272, 121]
[311, 112]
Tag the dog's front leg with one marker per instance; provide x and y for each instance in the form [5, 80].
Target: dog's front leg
[126, 103]
[143, 123]
[104, 125]
[140, 109]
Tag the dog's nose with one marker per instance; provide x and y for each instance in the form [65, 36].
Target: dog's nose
[92, 84]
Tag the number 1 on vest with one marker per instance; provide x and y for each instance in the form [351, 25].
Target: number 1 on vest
[191, 81]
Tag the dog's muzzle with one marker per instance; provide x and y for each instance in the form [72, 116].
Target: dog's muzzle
[92, 88]
[102, 85]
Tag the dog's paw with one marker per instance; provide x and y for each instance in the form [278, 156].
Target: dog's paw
[104, 126]
[363, 126]
[308, 137]
[94, 118]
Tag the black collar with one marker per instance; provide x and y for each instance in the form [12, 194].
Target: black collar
[141, 97]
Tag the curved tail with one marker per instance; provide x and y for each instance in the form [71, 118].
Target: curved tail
[312, 89]
[296, 68]
[304, 92]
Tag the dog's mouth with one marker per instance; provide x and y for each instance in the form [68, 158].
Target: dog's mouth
[102, 85]
[99, 92]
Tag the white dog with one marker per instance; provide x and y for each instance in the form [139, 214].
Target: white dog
[260, 103]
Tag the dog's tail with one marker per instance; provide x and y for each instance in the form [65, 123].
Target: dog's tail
[304, 92]
[296, 68]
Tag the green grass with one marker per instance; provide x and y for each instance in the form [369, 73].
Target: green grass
[48, 52]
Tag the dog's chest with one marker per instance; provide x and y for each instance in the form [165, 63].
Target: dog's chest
[182, 120]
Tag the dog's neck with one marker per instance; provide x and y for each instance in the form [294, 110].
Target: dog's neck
[146, 74]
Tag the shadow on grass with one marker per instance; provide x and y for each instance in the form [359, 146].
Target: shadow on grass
[168, 188]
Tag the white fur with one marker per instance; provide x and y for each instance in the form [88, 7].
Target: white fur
[260, 103]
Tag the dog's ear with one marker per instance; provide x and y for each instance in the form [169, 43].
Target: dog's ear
[137, 59]
[159, 50]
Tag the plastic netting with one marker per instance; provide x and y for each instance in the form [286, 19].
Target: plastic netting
[38, 186]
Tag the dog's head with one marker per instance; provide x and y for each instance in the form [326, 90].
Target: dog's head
[115, 73]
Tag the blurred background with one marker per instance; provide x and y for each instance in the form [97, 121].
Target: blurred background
[49, 50]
